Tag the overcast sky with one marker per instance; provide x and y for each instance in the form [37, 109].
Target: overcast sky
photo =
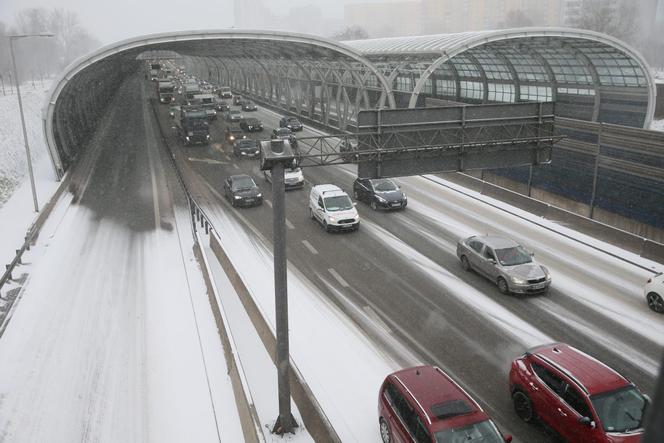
[114, 20]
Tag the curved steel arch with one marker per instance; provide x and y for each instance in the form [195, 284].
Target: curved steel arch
[205, 43]
[446, 46]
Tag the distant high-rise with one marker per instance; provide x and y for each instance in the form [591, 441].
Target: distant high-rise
[448, 16]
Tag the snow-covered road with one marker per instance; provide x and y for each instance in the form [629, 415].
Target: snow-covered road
[113, 339]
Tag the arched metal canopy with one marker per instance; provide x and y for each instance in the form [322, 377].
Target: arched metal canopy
[313, 76]
[591, 76]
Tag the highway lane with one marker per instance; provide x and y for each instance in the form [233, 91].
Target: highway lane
[104, 344]
[403, 267]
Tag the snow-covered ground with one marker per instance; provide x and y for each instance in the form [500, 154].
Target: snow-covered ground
[13, 164]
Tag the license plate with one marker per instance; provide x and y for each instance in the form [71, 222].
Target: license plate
[249, 200]
[396, 204]
[539, 286]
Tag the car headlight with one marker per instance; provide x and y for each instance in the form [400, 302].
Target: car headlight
[207, 136]
[237, 197]
[518, 281]
[259, 195]
[547, 274]
[381, 199]
[333, 219]
[405, 197]
[187, 138]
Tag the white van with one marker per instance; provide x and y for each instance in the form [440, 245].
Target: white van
[333, 208]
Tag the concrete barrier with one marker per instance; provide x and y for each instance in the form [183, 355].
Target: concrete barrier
[312, 414]
[653, 251]
[636, 244]
[251, 424]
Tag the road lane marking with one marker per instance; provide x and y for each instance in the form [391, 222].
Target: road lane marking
[268, 202]
[206, 160]
[289, 224]
[339, 278]
[236, 166]
[310, 247]
[227, 157]
[376, 318]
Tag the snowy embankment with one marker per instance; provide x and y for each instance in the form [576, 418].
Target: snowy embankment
[16, 204]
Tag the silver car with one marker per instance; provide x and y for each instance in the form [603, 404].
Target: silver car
[504, 262]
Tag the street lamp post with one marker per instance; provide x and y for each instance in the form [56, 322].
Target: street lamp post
[20, 108]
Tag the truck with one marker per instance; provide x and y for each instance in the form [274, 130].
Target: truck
[192, 126]
[191, 89]
[207, 102]
[166, 91]
[154, 71]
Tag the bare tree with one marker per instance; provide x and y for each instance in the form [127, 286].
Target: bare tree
[353, 32]
[614, 17]
[516, 18]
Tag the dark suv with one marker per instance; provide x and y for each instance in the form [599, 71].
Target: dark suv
[242, 190]
[233, 132]
[380, 193]
[291, 123]
[577, 396]
[423, 404]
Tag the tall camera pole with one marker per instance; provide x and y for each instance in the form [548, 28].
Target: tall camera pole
[275, 155]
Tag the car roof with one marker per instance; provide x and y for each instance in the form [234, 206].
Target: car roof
[328, 188]
[495, 242]
[592, 376]
[240, 176]
[429, 387]
[290, 118]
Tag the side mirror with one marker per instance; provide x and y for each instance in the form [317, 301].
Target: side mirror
[507, 438]
[492, 261]
[587, 421]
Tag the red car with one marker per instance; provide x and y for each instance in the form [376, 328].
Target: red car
[423, 404]
[580, 398]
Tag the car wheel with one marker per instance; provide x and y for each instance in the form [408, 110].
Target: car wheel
[523, 406]
[385, 431]
[502, 286]
[326, 226]
[374, 206]
[655, 302]
[311, 214]
[465, 264]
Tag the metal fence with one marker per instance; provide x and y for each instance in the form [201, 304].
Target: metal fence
[615, 168]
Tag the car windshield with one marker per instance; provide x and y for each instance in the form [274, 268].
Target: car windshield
[513, 256]
[248, 144]
[620, 410]
[241, 183]
[293, 120]
[484, 432]
[338, 203]
[384, 185]
[235, 111]
[283, 131]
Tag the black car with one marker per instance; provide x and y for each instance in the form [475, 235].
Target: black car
[282, 133]
[291, 123]
[222, 106]
[233, 132]
[380, 193]
[248, 105]
[251, 125]
[242, 190]
[247, 147]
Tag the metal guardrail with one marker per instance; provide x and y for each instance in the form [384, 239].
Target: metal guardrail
[29, 240]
